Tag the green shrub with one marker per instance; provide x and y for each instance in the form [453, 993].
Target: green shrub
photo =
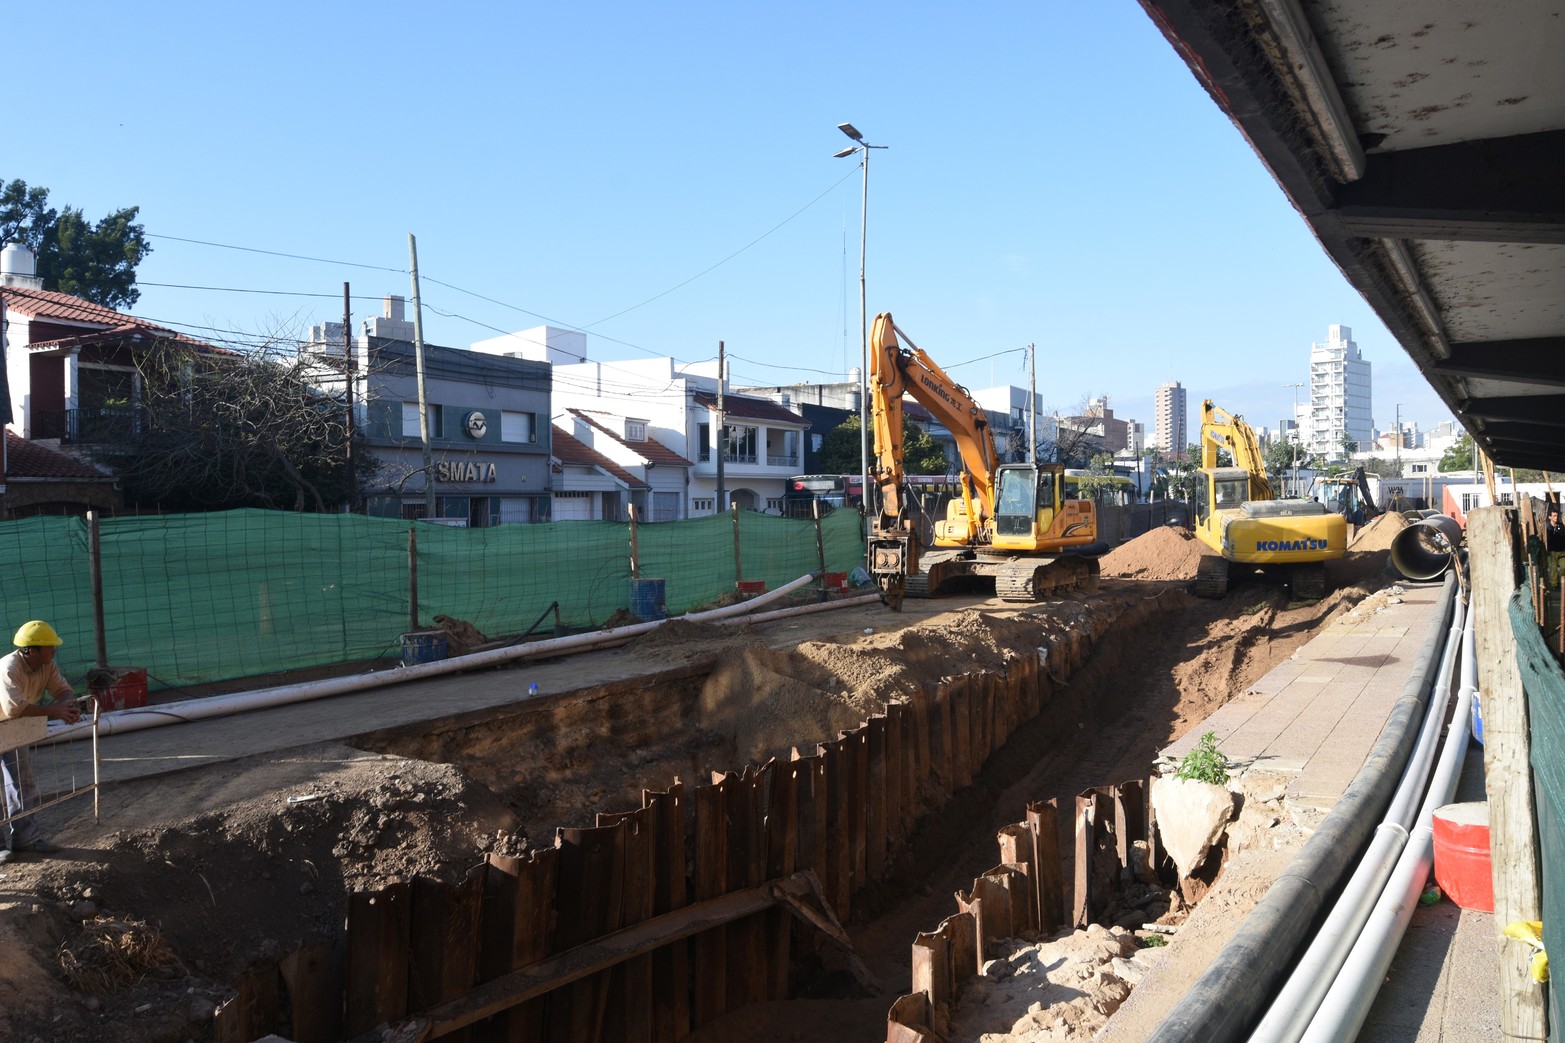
[1205, 763]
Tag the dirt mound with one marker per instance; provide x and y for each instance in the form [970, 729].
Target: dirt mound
[1378, 534]
[1167, 552]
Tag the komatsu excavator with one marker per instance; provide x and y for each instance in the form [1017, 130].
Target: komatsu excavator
[1239, 516]
[1012, 523]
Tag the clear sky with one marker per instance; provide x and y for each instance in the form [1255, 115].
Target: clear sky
[661, 176]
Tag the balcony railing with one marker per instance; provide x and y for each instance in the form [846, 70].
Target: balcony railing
[105, 424]
[782, 460]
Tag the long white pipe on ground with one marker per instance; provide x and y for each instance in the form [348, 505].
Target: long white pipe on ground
[121, 721]
[1301, 996]
[1348, 1001]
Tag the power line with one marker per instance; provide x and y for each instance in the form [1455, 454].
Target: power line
[275, 253]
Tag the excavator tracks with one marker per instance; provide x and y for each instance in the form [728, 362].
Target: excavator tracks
[1308, 581]
[1211, 576]
[1028, 579]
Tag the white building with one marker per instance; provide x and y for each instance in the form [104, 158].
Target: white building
[1171, 420]
[615, 406]
[1339, 395]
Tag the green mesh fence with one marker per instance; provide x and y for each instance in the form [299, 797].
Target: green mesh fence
[208, 597]
[1545, 687]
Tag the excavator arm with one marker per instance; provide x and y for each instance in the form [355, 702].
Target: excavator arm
[895, 371]
[1222, 428]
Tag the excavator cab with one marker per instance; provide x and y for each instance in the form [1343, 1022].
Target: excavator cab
[1027, 498]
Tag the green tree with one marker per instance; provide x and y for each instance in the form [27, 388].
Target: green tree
[1459, 457]
[840, 450]
[921, 453]
[95, 261]
[1279, 457]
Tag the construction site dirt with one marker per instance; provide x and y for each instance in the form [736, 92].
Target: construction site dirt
[138, 928]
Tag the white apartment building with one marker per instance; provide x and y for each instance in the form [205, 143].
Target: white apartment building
[1171, 420]
[1339, 396]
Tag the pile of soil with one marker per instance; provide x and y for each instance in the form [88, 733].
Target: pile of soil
[1167, 552]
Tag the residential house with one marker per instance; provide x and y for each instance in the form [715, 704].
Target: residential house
[489, 435]
[626, 442]
[70, 364]
[677, 403]
[42, 481]
[586, 485]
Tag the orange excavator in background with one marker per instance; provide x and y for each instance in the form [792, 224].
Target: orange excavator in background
[1012, 525]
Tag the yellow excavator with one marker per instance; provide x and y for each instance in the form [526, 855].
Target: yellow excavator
[1240, 518]
[1012, 523]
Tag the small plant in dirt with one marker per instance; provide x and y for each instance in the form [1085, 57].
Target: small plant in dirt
[1152, 941]
[1204, 763]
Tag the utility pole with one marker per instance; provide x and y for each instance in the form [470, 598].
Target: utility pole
[1032, 405]
[347, 368]
[1399, 441]
[720, 433]
[423, 400]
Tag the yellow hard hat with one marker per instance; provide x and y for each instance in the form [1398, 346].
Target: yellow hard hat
[36, 632]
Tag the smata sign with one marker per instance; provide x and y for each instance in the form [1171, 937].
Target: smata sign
[465, 471]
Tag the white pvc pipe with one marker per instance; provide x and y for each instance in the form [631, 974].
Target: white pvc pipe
[1348, 1001]
[118, 722]
[1293, 1006]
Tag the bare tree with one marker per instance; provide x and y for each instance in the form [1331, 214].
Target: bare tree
[225, 430]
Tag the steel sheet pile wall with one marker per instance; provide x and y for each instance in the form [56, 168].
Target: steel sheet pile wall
[1025, 892]
[755, 843]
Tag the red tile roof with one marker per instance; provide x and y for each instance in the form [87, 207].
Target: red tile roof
[100, 323]
[25, 459]
[751, 408]
[649, 449]
[568, 449]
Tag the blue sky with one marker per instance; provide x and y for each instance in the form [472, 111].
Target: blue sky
[661, 176]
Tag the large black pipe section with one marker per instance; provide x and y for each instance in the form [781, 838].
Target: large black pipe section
[1229, 998]
[1425, 549]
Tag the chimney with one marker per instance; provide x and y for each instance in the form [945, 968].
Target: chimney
[392, 306]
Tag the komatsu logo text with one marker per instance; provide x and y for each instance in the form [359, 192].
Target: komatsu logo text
[1290, 544]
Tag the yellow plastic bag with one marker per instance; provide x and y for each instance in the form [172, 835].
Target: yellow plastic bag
[1531, 932]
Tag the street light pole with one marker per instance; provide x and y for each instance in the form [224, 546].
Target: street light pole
[863, 146]
[1296, 388]
[1399, 441]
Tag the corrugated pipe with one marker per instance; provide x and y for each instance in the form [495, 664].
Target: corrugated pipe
[1425, 549]
[120, 721]
[1229, 996]
[1297, 1002]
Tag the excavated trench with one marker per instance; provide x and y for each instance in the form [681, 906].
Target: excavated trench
[1128, 670]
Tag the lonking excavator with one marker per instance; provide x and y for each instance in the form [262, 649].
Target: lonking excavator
[1240, 518]
[1012, 523]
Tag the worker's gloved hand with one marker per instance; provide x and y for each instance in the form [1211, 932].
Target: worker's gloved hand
[66, 712]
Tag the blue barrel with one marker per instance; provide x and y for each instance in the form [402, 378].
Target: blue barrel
[646, 599]
[429, 646]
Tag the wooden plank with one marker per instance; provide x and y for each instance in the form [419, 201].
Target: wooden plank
[377, 968]
[709, 954]
[856, 746]
[932, 976]
[594, 957]
[313, 978]
[671, 963]
[961, 734]
[589, 902]
[995, 899]
[1130, 816]
[962, 928]
[782, 843]
[747, 949]
[629, 1013]
[1086, 837]
[252, 1012]
[1043, 823]
[1493, 556]
[970, 905]
[877, 778]
[908, 1019]
[924, 769]
[1017, 848]
[838, 835]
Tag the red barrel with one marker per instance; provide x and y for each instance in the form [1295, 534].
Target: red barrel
[1462, 867]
